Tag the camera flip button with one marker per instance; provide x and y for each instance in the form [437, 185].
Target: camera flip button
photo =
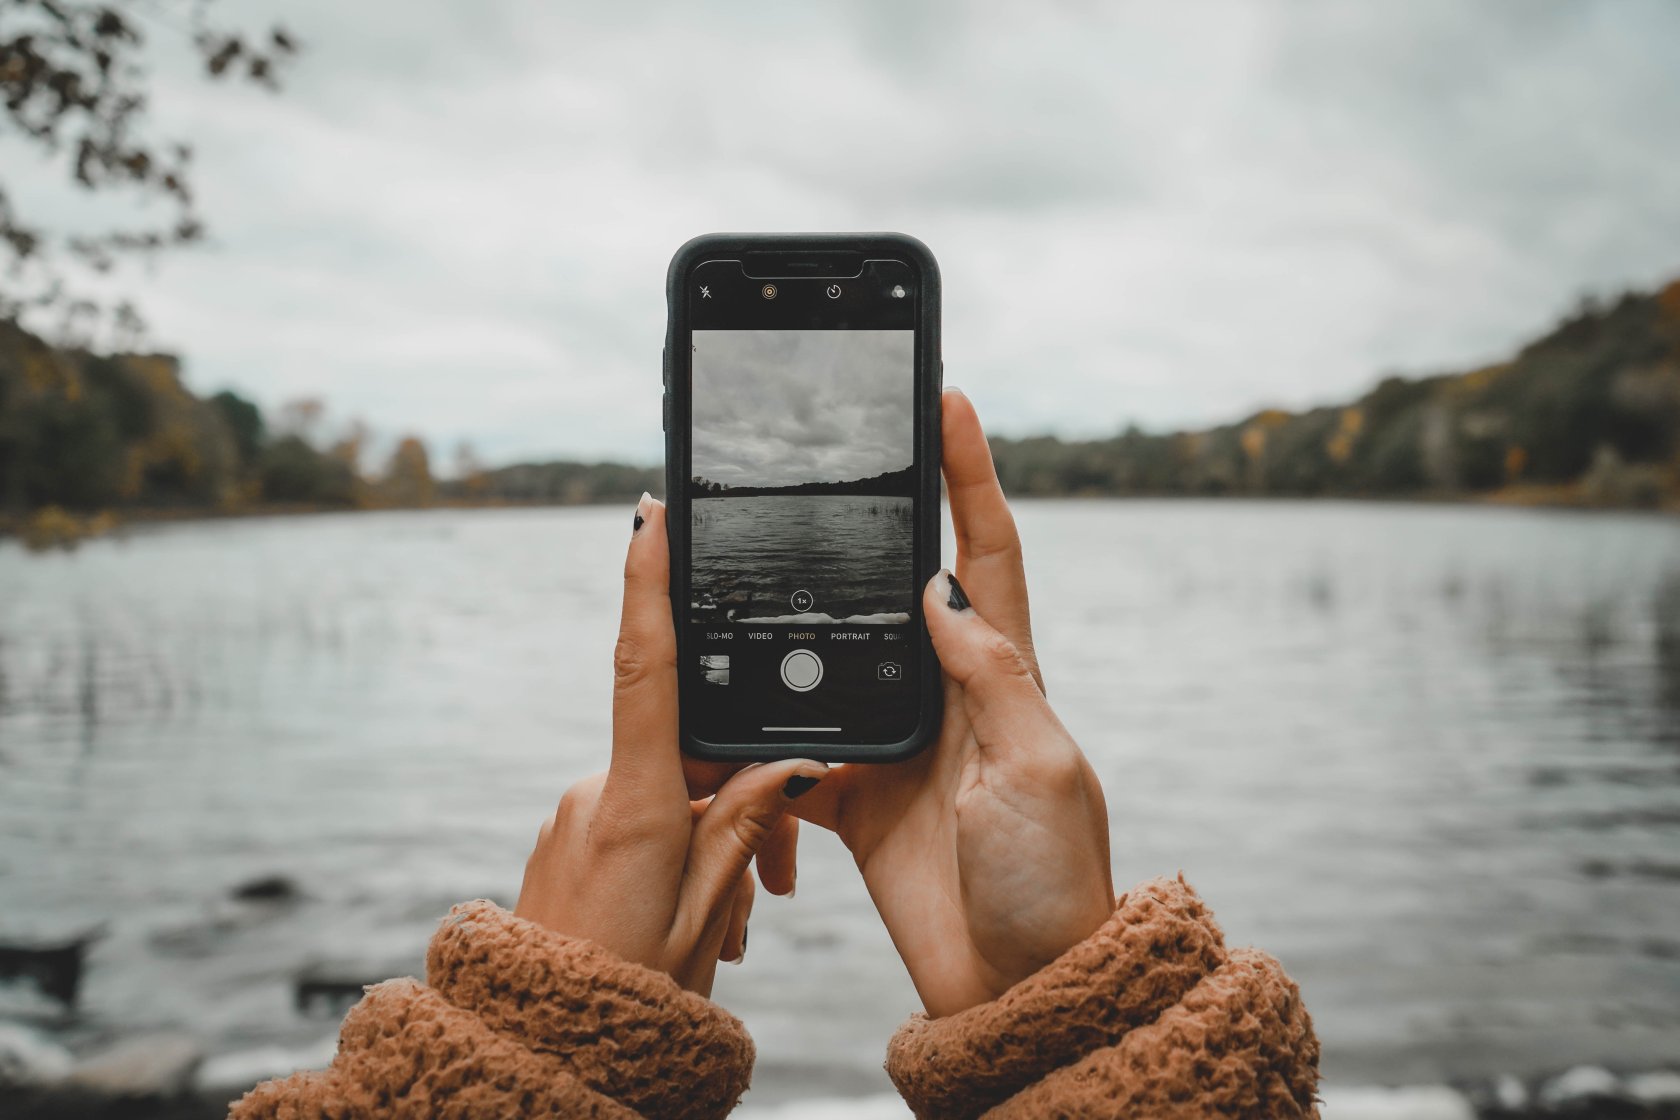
[802, 670]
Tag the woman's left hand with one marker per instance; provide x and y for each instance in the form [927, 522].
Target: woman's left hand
[629, 860]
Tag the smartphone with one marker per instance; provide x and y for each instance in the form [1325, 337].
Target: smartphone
[802, 377]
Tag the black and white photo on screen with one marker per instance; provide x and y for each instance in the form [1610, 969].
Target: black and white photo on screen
[802, 476]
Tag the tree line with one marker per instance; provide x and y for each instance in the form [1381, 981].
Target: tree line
[1588, 414]
[83, 431]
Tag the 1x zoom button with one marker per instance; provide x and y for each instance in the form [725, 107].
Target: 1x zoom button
[802, 670]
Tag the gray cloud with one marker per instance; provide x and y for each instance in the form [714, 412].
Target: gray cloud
[778, 408]
[456, 219]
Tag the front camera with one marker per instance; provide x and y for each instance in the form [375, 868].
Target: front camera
[769, 291]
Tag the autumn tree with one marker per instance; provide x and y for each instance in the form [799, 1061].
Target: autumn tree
[74, 83]
[408, 477]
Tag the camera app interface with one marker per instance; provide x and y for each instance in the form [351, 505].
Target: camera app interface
[802, 534]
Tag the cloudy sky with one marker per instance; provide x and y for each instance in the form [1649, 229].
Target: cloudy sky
[456, 219]
[776, 408]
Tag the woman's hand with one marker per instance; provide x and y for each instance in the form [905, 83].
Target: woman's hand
[987, 854]
[628, 860]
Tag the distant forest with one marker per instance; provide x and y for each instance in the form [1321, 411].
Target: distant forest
[1589, 414]
[901, 482]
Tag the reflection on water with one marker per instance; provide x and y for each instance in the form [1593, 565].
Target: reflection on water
[1428, 756]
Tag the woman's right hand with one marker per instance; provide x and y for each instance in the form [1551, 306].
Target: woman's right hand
[987, 854]
[631, 859]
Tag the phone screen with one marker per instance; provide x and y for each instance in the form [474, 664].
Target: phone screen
[802, 484]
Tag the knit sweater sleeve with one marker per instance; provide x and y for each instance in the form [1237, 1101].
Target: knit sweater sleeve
[516, 1020]
[1151, 1016]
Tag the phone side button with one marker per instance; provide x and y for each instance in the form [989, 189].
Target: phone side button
[665, 414]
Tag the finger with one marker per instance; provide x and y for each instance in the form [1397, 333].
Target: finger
[1003, 701]
[734, 947]
[735, 827]
[988, 546]
[542, 898]
[822, 806]
[646, 772]
[704, 777]
[777, 860]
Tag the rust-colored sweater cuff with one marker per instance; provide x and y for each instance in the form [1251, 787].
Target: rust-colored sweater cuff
[519, 1020]
[1149, 1016]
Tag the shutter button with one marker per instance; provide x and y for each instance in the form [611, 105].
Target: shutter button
[802, 670]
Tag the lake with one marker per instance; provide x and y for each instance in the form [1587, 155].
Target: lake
[852, 553]
[1429, 756]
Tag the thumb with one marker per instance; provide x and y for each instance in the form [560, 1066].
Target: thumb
[731, 830]
[1002, 698]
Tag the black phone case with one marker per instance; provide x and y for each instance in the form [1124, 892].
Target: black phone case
[930, 380]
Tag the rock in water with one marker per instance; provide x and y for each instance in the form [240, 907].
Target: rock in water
[55, 969]
[152, 1065]
[29, 1058]
[269, 888]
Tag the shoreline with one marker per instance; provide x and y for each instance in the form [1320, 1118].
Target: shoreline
[53, 527]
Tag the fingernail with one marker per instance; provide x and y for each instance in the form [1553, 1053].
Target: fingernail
[799, 785]
[958, 600]
[744, 931]
[641, 504]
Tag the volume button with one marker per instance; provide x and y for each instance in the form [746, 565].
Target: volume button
[665, 421]
[665, 365]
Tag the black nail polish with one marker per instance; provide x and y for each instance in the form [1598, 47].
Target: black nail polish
[798, 786]
[958, 601]
[637, 524]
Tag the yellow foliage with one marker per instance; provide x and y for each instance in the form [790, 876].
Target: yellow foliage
[161, 374]
[408, 479]
[1254, 440]
[1669, 300]
[56, 527]
[46, 370]
[1515, 460]
[1477, 379]
[1348, 426]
